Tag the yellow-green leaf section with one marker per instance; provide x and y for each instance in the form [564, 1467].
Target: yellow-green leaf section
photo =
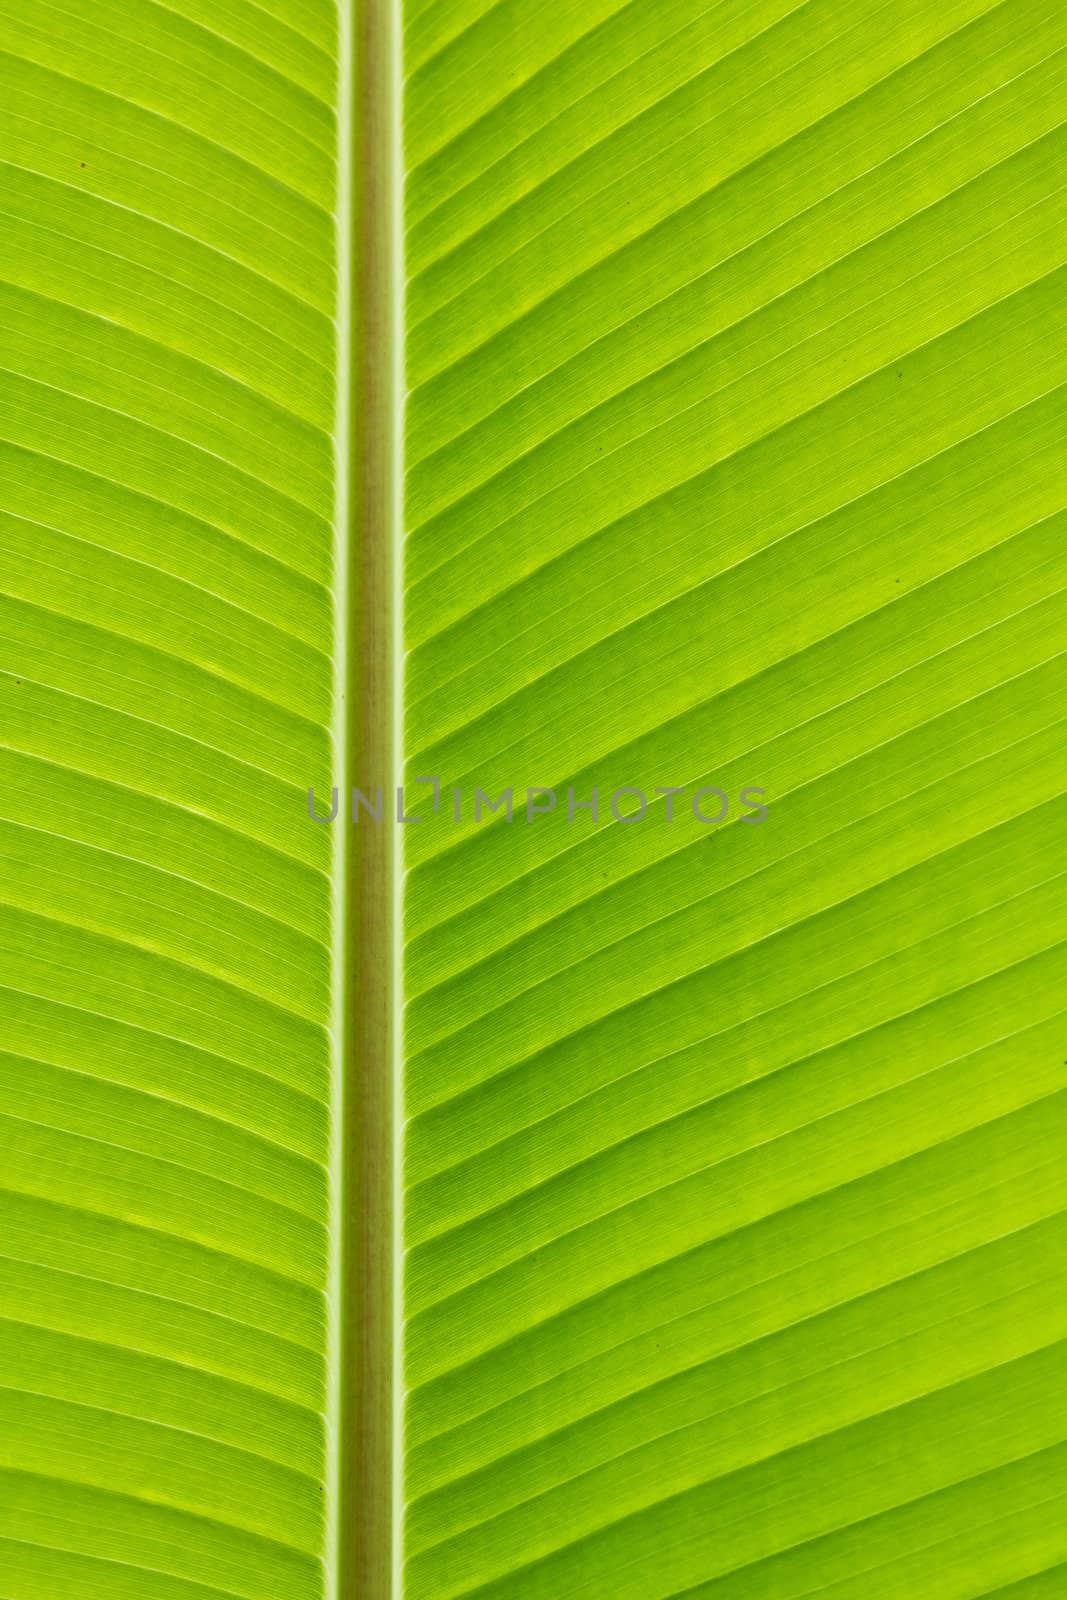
[570, 397]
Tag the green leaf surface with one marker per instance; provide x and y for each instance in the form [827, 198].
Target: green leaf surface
[707, 361]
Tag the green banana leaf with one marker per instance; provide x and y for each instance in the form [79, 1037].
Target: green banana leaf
[628, 1163]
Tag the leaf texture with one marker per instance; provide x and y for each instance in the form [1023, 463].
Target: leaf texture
[167, 380]
[731, 1243]
[734, 1203]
